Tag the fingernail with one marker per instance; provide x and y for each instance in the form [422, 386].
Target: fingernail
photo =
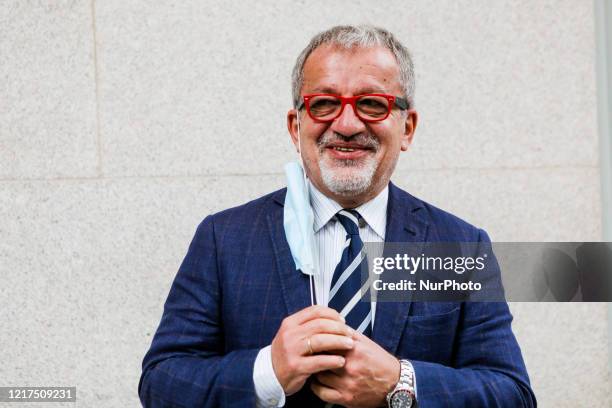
[343, 319]
[341, 361]
[349, 342]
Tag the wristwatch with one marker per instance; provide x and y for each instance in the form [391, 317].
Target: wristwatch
[402, 395]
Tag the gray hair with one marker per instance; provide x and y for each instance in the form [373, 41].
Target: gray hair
[347, 37]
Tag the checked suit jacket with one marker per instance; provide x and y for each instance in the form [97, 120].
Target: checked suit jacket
[238, 282]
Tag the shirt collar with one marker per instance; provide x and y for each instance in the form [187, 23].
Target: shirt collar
[374, 212]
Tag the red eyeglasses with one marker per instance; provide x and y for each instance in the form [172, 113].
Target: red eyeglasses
[368, 107]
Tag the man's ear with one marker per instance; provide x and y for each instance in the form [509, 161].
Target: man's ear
[412, 118]
[292, 126]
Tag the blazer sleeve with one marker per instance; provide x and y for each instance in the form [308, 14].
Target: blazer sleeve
[488, 370]
[186, 365]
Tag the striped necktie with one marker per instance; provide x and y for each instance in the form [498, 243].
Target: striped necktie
[345, 294]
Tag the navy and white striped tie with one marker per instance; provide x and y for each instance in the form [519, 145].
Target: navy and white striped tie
[345, 294]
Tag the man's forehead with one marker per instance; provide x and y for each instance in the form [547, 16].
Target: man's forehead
[331, 68]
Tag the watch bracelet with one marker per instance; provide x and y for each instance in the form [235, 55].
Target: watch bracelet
[406, 380]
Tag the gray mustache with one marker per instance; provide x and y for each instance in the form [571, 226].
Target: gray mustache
[366, 140]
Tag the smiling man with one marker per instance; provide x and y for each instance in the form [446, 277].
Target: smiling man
[238, 329]
[358, 119]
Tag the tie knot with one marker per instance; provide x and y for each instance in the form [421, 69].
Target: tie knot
[350, 220]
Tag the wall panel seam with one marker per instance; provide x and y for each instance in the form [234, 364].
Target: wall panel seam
[96, 87]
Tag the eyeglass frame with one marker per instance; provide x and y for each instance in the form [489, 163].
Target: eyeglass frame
[394, 101]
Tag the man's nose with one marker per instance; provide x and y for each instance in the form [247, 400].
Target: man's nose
[348, 123]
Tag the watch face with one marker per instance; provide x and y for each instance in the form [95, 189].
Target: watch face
[401, 399]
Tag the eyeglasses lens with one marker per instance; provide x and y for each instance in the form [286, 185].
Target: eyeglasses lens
[325, 107]
[373, 107]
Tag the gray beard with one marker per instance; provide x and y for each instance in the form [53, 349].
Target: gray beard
[348, 184]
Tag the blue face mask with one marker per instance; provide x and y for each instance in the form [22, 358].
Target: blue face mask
[298, 218]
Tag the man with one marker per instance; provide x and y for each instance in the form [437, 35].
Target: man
[237, 328]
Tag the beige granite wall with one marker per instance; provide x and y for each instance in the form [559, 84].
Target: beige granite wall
[124, 123]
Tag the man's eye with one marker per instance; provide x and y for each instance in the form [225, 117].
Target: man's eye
[323, 105]
[373, 106]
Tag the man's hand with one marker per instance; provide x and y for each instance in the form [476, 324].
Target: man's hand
[301, 337]
[368, 375]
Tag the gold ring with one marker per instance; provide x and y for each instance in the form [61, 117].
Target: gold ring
[310, 347]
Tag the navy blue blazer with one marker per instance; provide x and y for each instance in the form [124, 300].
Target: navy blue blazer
[238, 282]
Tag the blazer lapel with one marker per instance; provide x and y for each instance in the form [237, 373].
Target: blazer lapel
[295, 284]
[407, 221]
